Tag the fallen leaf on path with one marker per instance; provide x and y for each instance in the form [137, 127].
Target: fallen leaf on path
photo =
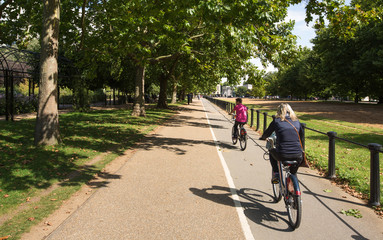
[6, 237]
[352, 212]
[327, 190]
[31, 219]
[48, 223]
[53, 199]
[6, 195]
[28, 199]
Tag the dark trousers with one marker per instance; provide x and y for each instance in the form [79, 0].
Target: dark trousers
[276, 156]
[236, 127]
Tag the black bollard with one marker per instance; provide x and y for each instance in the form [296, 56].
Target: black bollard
[331, 154]
[303, 136]
[257, 120]
[252, 117]
[374, 174]
[264, 121]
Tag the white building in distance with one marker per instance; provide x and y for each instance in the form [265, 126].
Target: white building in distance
[227, 91]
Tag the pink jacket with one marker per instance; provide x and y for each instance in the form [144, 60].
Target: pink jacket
[241, 112]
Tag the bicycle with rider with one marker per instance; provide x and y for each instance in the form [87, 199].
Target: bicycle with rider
[288, 144]
[241, 115]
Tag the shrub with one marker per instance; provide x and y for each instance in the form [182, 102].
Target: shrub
[21, 105]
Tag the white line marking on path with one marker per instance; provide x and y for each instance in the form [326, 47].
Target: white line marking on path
[242, 218]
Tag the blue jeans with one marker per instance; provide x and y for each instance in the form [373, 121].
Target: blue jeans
[276, 156]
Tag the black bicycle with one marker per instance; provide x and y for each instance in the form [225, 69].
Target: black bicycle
[242, 136]
[288, 188]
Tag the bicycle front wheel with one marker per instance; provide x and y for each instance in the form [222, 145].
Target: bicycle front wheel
[243, 139]
[293, 202]
[233, 138]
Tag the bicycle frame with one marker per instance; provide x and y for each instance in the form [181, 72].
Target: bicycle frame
[285, 183]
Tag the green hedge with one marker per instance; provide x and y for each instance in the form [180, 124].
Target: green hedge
[21, 105]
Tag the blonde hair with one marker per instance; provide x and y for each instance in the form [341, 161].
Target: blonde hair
[283, 109]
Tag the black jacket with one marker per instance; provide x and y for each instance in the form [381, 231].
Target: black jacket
[287, 138]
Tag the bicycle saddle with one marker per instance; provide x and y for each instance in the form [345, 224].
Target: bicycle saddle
[291, 162]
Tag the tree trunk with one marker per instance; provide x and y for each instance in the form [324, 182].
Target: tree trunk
[356, 100]
[182, 95]
[139, 98]
[174, 92]
[83, 9]
[47, 121]
[380, 101]
[163, 98]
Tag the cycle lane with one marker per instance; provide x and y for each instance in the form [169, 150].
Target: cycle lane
[268, 220]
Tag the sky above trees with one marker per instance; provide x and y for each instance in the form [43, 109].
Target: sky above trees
[304, 32]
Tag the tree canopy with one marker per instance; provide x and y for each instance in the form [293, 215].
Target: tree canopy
[173, 47]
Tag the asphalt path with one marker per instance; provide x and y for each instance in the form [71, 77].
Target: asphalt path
[188, 181]
[322, 200]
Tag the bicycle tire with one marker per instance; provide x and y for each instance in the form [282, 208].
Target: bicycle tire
[276, 190]
[234, 139]
[294, 203]
[243, 140]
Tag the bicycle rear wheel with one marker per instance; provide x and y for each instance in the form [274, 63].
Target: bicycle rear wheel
[293, 202]
[276, 190]
[243, 139]
[234, 139]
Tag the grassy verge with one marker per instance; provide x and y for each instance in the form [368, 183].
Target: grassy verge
[352, 161]
[26, 171]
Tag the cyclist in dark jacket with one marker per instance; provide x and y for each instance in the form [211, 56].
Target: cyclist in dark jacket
[288, 146]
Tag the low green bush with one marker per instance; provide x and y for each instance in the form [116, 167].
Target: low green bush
[21, 105]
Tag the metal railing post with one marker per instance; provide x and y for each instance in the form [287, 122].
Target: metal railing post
[303, 139]
[264, 121]
[257, 120]
[12, 103]
[252, 117]
[331, 154]
[374, 174]
[6, 85]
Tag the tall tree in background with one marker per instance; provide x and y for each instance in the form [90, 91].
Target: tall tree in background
[47, 122]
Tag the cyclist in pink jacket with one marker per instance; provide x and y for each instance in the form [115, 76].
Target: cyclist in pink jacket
[241, 115]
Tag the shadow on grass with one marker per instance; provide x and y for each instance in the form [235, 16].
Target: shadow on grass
[85, 135]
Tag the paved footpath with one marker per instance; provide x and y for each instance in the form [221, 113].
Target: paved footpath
[180, 185]
[152, 198]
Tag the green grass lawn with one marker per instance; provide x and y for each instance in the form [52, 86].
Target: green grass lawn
[352, 161]
[26, 170]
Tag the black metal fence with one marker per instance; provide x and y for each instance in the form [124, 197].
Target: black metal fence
[374, 148]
